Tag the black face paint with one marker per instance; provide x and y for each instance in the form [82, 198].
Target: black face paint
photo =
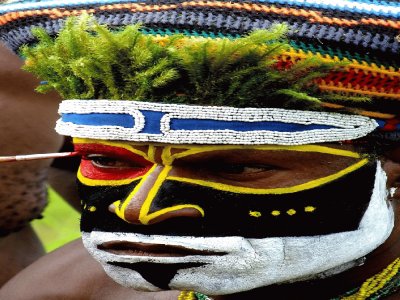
[339, 206]
[159, 275]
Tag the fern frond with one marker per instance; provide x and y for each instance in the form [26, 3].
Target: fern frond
[88, 60]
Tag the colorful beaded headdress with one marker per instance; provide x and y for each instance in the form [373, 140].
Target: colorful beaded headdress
[364, 35]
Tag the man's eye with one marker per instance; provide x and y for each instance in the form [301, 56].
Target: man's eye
[103, 161]
[236, 169]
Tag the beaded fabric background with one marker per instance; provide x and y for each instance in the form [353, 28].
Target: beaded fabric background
[365, 33]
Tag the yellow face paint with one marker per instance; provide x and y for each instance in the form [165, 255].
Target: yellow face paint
[164, 158]
[97, 182]
[284, 190]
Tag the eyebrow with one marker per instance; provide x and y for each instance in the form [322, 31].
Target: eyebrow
[169, 153]
[303, 148]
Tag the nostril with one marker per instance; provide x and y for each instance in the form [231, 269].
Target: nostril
[116, 208]
[394, 192]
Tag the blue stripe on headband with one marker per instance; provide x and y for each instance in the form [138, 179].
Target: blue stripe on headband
[386, 9]
[187, 124]
[102, 119]
[151, 126]
[141, 121]
[153, 123]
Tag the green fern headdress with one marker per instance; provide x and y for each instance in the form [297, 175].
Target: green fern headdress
[252, 74]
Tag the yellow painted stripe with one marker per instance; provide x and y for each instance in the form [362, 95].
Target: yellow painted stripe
[104, 182]
[152, 153]
[144, 216]
[144, 210]
[160, 212]
[285, 190]
[166, 156]
[135, 190]
[300, 148]
[118, 211]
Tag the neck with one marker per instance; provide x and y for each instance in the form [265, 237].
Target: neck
[334, 286]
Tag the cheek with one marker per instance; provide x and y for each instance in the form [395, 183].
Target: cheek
[95, 203]
[90, 171]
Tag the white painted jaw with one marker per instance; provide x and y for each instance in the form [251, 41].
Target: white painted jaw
[252, 263]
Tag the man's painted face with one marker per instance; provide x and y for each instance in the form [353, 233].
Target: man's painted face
[224, 219]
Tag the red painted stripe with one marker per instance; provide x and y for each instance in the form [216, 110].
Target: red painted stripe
[138, 164]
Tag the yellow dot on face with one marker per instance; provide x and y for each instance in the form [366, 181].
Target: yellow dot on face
[92, 209]
[255, 214]
[275, 213]
[291, 212]
[309, 209]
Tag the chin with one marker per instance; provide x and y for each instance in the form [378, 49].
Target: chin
[228, 265]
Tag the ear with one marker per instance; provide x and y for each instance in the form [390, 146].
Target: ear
[392, 169]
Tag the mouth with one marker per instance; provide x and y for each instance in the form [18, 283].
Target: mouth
[155, 250]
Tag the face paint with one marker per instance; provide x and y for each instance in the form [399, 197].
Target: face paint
[265, 232]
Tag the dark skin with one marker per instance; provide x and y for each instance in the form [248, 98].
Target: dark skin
[86, 280]
[61, 277]
[271, 169]
[243, 167]
[26, 127]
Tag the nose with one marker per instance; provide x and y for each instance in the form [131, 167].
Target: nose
[142, 206]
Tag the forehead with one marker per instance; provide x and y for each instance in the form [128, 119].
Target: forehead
[178, 150]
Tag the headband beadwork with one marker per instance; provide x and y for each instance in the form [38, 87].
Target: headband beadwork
[189, 124]
[363, 35]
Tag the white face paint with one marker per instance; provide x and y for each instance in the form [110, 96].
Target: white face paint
[252, 263]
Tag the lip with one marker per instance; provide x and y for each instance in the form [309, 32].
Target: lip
[155, 250]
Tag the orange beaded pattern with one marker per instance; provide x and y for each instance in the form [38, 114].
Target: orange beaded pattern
[362, 34]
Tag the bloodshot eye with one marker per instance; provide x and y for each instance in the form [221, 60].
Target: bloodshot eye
[103, 161]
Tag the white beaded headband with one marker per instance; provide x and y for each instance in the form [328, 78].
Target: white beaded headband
[189, 124]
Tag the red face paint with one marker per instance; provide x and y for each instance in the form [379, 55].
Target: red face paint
[123, 164]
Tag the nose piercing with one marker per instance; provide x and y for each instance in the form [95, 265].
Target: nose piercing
[392, 191]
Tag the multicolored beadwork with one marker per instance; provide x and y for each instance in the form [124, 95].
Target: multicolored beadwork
[386, 282]
[362, 33]
[190, 295]
[365, 34]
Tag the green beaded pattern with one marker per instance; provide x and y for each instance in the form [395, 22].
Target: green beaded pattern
[200, 296]
[390, 288]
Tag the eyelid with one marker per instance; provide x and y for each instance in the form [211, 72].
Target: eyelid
[261, 167]
[112, 151]
[92, 158]
[123, 162]
[237, 169]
